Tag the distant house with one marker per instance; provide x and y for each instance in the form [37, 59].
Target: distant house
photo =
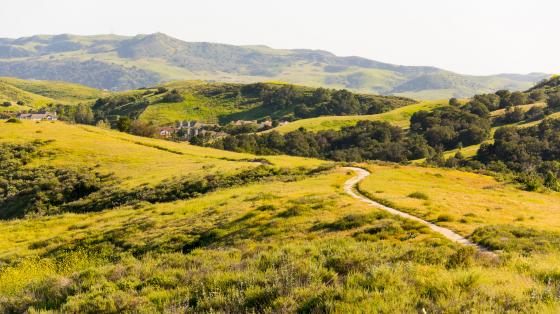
[47, 116]
[281, 123]
[166, 131]
[191, 129]
[265, 124]
[244, 122]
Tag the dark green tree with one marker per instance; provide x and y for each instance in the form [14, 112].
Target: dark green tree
[123, 124]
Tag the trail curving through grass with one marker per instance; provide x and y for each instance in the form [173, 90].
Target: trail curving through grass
[362, 174]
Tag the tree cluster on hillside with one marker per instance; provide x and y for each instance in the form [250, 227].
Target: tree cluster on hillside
[447, 127]
[365, 141]
[136, 127]
[451, 127]
[516, 114]
[546, 91]
[172, 96]
[129, 105]
[551, 84]
[483, 104]
[307, 103]
[533, 151]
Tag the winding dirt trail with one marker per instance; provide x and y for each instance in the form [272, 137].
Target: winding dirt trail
[362, 174]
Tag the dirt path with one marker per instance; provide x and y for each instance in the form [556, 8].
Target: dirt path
[362, 174]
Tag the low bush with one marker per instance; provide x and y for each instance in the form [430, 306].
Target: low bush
[418, 195]
[445, 218]
[516, 239]
[350, 222]
[13, 120]
[267, 207]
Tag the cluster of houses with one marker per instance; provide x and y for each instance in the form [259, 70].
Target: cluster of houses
[46, 116]
[182, 130]
[185, 130]
[260, 125]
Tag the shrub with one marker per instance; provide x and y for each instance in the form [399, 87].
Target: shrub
[554, 100]
[418, 195]
[267, 207]
[463, 257]
[350, 222]
[445, 218]
[13, 120]
[516, 239]
[173, 96]
[389, 226]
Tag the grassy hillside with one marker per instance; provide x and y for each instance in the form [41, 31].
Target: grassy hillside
[123, 63]
[285, 244]
[226, 102]
[13, 95]
[460, 200]
[37, 94]
[400, 117]
[134, 160]
[63, 92]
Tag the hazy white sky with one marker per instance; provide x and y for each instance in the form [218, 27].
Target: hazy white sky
[470, 36]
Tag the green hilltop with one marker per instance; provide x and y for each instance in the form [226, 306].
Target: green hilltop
[121, 63]
[32, 94]
[226, 102]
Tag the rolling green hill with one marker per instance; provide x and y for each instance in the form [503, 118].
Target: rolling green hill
[121, 63]
[290, 242]
[226, 102]
[399, 117]
[37, 94]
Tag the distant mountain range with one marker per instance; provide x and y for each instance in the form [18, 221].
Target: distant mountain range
[119, 63]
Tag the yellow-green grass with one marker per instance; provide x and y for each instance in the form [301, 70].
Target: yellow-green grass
[135, 160]
[399, 117]
[431, 94]
[59, 92]
[173, 218]
[251, 233]
[192, 108]
[471, 200]
[12, 94]
[272, 233]
[234, 210]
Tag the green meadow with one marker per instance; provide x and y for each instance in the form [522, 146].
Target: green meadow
[286, 243]
[399, 117]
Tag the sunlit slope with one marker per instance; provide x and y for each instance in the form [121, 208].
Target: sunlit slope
[168, 219]
[301, 239]
[135, 160]
[13, 95]
[294, 243]
[33, 94]
[400, 117]
[461, 200]
[63, 92]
